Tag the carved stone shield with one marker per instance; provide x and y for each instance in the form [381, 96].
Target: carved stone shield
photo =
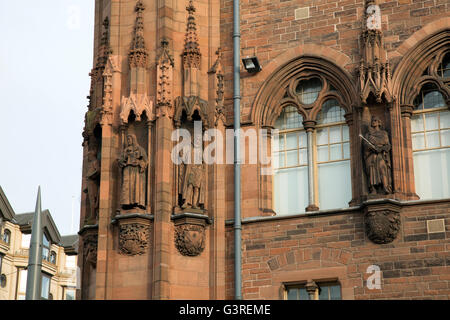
[133, 239]
[190, 239]
[382, 226]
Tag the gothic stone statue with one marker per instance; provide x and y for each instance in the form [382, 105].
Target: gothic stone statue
[191, 180]
[93, 177]
[377, 158]
[133, 163]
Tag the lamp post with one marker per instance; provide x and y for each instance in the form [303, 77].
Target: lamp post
[35, 255]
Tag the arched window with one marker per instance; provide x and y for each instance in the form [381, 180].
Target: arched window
[318, 172]
[6, 236]
[333, 157]
[430, 131]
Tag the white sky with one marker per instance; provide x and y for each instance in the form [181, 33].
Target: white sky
[45, 58]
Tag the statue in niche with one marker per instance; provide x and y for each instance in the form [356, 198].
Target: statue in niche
[133, 163]
[92, 188]
[191, 178]
[377, 155]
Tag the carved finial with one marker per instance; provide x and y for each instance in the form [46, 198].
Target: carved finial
[191, 54]
[138, 53]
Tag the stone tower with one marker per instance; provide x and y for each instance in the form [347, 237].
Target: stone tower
[146, 226]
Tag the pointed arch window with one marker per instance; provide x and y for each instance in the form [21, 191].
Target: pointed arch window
[430, 133]
[311, 168]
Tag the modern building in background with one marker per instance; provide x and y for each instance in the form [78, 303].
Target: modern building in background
[59, 264]
[350, 105]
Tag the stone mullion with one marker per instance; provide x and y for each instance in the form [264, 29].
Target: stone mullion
[398, 181]
[406, 111]
[310, 127]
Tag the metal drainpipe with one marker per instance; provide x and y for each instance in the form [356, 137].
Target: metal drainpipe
[237, 146]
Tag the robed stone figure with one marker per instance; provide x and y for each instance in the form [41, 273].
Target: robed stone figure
[133, 163]
[191, 179]
[377, 157]
[92, 181]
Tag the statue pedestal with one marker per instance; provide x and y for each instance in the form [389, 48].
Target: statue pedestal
[190, 231]
[134, 232]
[382, 220]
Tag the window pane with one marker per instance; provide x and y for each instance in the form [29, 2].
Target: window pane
[335, 134]
[322, 136]
[432, 121]
[291, 158]
[433, 99]
[293, 294]
[445, 138]
[303, 157]
[23, 281]
[345, 133]
[445, 119]
[418, 141]
[432, 173]
[302, 139]
[417, 123]
[308, 90]
[432, 139]
[45, 241]
[323, 293]
[70, 294]
[336, 152]
[45, 289]
[322, 154]
[281, 162]
[335, 292]
[303, 294]
[346, 150]
[331, 112]
[291, 141]
[291, 190]
[335, 189]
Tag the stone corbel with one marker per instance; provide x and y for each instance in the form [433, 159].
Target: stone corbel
[190, 232]
[382, 220]
[89, 236]
[134, 233]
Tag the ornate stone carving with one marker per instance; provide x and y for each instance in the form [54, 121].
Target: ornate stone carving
[217, 70]
[138, 103]
[92, 187]
[374, 70]
[133, 163]
[377, 158]
[190, 105]
[164, 75]
[191, 53]
[90, 244]
[134, 239]
[382, 226]
[138, 55]
[190, 239]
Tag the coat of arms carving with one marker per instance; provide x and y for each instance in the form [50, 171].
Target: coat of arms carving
[190, 239]
[133, 239]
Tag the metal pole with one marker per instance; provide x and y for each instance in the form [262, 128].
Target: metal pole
[237, 146]
[35, 254]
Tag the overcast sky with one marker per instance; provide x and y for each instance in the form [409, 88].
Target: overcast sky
[45, 59]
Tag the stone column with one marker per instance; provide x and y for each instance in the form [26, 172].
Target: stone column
[406, 111]
[310, 126]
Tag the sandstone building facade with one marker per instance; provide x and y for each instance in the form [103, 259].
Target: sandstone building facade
[59, 263]
[352, 104]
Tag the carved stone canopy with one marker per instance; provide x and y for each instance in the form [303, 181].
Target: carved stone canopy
[138, 103]
[382, 220]
[189, 105]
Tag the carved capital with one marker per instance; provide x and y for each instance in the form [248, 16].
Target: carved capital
[309, 125]
[407, 110]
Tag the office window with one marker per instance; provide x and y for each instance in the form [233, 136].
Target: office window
[69, 293]
[26, 238]
[6, 236]
[45, 248]
[21, 284]
[53, 257]
[45, 287]
[1, 262]
[315, 291]
[430, 133]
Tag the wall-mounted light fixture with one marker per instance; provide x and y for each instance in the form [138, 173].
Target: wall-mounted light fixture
[251, 64]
